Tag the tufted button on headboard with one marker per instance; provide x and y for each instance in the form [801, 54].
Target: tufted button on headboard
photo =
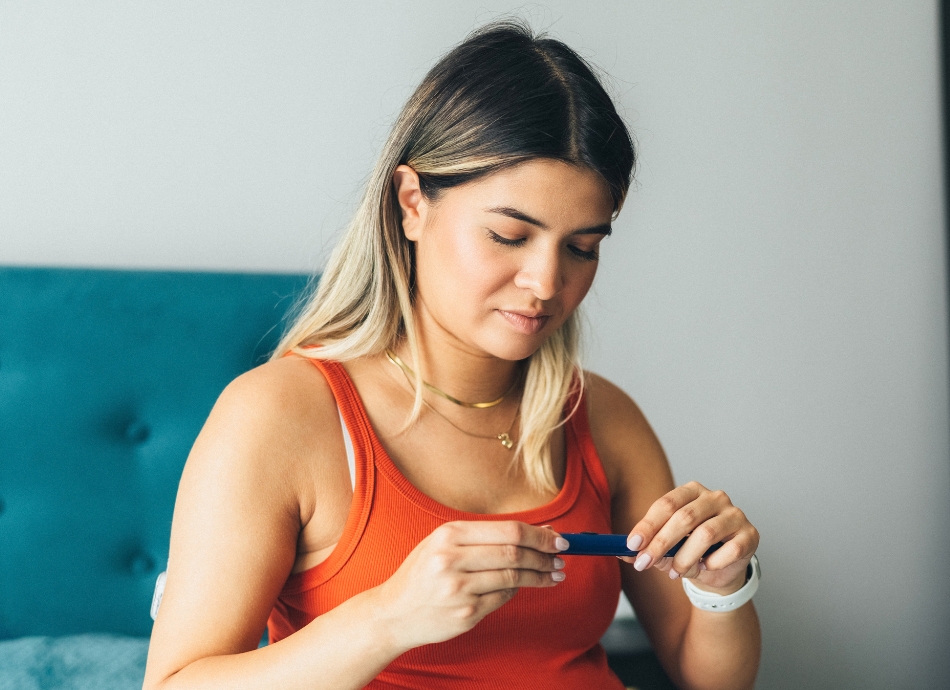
[105, 380]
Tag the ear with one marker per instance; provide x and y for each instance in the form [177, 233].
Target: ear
[411, 200]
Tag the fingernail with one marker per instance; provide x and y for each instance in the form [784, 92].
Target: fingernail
[558, 563]
[642, 562]
[673, 574]
[558, 576]
[635, 542]
[546, 527]
[702, 566]
[562, 544]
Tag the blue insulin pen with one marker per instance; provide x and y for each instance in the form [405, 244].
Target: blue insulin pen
[591, 544]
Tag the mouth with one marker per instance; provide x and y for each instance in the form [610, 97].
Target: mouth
[526, 322]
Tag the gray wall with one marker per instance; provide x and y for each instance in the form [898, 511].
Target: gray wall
[774, 295]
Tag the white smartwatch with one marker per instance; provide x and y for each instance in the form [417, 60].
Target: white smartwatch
[708, 601]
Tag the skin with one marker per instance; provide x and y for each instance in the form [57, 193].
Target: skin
[501, 263]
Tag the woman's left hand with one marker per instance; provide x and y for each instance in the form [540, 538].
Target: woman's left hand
[708, 517]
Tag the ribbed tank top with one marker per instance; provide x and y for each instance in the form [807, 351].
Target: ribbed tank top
[543, 638]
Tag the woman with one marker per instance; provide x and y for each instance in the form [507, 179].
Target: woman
[444, 334]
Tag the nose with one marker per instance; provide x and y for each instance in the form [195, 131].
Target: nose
[541, 273]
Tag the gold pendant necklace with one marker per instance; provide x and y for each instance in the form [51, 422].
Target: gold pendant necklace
[504, 437]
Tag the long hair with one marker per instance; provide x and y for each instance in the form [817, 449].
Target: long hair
[502, 97]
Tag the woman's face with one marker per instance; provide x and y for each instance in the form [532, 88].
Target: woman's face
[501, 262]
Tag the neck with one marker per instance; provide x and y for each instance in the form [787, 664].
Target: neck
[455, 368]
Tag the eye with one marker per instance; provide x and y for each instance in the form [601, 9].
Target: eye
[495, 237]
[592, 255]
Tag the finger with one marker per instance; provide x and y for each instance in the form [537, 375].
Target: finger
[499, 556]
[502, 532]
[664, 564]
[739, 547]
[718, 528]
[660, 512]
[680, 523]
[486, 581]
[487, 603]
[692, 572]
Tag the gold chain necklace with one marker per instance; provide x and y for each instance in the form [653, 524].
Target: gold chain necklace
[504, 437]
[394, 358]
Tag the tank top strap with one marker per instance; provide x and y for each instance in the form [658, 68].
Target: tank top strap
[578, 427]
[348, 401]
[364, 481]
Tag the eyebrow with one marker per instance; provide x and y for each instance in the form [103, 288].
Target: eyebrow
[603, 229]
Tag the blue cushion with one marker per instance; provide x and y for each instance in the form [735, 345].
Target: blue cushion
[80, 662]
[105, 380]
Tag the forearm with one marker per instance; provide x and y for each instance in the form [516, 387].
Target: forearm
[720, 650]
[341, 649]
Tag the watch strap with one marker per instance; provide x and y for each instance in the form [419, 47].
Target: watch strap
[709, 601]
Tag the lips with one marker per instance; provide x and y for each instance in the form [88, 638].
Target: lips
[526, 322]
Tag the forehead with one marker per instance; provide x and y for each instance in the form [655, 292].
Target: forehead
[554, 192]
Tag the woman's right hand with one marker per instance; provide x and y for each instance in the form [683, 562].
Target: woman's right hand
[462, 572]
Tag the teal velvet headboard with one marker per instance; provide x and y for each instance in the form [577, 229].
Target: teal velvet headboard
[105, 380]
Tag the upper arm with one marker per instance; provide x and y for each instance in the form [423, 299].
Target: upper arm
[238, 514]
[638, 473]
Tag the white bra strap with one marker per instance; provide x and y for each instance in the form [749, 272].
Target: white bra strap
[350, 458]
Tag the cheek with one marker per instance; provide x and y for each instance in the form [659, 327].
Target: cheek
[455, 265]
[578, 279]
[474, 262]
[585, 280]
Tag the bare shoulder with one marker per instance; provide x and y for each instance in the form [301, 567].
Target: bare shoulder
[269, 425]
[285, 391]
[261, 430]
[628, 448]
[608, 403]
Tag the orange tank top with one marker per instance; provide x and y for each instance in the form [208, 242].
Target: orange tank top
[542, 638]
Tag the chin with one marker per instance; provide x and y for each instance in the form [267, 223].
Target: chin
[514, 349]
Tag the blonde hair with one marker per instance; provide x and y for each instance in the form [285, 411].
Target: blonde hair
[500, 98]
